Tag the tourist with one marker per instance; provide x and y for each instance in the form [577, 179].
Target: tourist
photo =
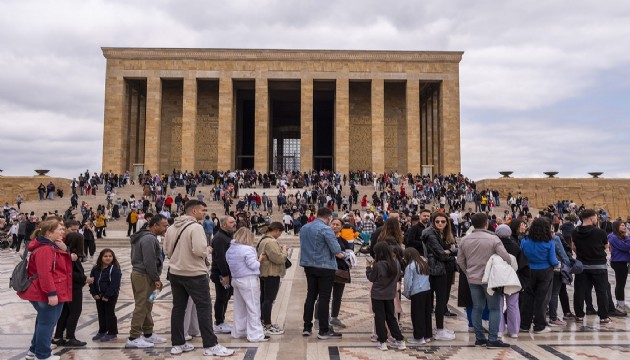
[53, 286]
[132, 220]
[442, 262]
[556, 286]
[342, 265]
[541, 253]
[619, 241]
[513, 312]
[186, 246]
[220, 273]
[105, 288]
[318, 250]
[146, 262]
[474, 253]
[244, 266]
[384, 274]
[272, 268]
[89, 246]
[72, 310]
[418, 290]
[590, 243]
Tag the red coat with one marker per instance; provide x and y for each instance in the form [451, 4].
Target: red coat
[54, 272]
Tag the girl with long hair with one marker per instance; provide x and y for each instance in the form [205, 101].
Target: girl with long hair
[106, 275]
[272, 268]
[417, 289]
[619, 241]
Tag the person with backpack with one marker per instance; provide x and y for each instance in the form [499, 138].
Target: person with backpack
[50, 270]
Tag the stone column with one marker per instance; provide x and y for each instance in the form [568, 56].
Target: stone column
[450, 159]
[189, 124]
[225, 152]
[133, 117]
[154, 125]
[306, 125]
[437, 129]
[142, 128]
[378, 126]
[261, 131]
[413, 126]
[115, 124]
[429, 129]
[342, 126]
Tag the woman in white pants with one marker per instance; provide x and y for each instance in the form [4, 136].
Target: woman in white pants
[245, 269]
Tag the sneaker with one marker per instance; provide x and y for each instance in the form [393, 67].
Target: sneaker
[176, 350]
[579, 318]
[336, 322]
[272, 330]
[217, 350]
[413, 341]
[188, 337]
[569, 316]
[98, 336]
[381, 346]
[331, 334]
[482, 342]
[306, 332]
[374, 338]
[605, 321]
[29, 356]
[53, 346]
[138, 343]
[266, 338]
[622, 309]
[557, 322]
[513, 336]
[223, 328]
[497, 344]
[447, 330]
[58, 342]
[155, 339]
[544, 330]
[108, 338]
[450, 314]
[75, 343]
[444, 335]
[617, 313]
[398, 344]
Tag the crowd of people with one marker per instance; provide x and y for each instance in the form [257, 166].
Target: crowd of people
[512, 268]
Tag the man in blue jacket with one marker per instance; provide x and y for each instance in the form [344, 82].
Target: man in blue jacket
[318, 249]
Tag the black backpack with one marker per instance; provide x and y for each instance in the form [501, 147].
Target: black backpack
[20, 281]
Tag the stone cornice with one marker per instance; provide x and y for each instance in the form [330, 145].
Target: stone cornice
[281, 55]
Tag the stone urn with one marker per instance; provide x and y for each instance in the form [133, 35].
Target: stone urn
[506, 174]
[551, 174]
[595, 174]
[42, 172]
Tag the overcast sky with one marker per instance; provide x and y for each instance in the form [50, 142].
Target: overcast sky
[544, 85]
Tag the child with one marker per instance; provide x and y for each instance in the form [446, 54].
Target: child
[384, 275]
[105, 288]
[417, 289]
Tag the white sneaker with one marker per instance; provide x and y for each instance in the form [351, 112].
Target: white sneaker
[224, 328]
[187, 337]
[444, 336]
[382, 346]
[413, 341]
[29, 355]
[176, 350]
[138, 343]
[155, 339]
[400, 345]
[217, 350]
[445, 330]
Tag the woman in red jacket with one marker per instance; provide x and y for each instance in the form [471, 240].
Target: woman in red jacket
[52, 285]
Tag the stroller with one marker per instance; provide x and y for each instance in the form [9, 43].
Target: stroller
[364, 242]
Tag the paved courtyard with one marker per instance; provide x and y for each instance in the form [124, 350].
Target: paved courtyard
[576, 341]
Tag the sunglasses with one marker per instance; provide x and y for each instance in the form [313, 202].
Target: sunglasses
[440, 221]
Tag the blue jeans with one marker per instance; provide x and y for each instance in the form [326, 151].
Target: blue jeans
[480, 298]
[45, 322]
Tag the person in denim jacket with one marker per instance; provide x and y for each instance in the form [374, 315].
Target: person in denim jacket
[318, 250]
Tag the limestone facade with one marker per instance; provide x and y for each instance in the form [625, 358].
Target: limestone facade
[610, 194]
[177, 108]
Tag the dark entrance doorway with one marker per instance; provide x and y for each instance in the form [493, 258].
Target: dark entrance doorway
[244, 98]
[323, 124]
[284, 120]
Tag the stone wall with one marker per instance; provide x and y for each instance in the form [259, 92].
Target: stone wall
[610, 194]
[171, 131]
[360, 126]
[207, 125]
[11, 186]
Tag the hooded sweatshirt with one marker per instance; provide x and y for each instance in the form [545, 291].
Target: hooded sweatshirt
[188, 258]
[146, 257]
[590, 245]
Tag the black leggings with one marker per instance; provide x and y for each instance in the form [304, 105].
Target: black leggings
[337, 294]
[439, 284]
[70, 315]
[269, 286]
[621, 275]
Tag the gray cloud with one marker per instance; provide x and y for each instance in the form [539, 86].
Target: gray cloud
[520, 58]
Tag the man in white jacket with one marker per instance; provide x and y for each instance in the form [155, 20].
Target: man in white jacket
[474, 253]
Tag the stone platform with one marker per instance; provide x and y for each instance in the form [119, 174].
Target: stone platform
[586, 340]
